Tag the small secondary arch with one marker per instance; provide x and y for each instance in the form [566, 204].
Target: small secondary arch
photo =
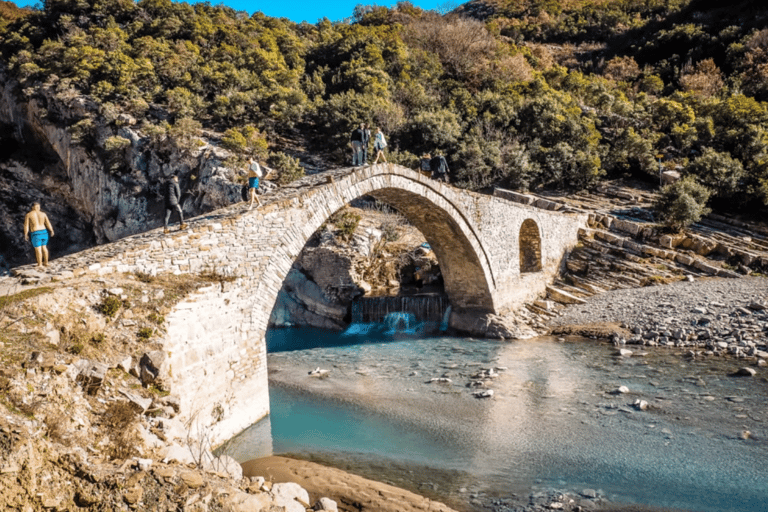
[530, 247]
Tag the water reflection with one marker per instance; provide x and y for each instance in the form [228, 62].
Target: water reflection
[553, 422]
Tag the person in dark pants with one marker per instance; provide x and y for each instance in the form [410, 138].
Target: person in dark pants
[424, 164]
[172, 198]
[357, 145]
[439, 168]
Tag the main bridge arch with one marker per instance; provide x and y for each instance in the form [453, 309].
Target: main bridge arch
[428, 205]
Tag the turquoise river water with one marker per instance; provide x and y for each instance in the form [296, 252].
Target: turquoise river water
[555, 422]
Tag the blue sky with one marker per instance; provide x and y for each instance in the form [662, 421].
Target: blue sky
[302, 10]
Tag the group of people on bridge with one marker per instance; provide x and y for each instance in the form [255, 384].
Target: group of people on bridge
[359, 141]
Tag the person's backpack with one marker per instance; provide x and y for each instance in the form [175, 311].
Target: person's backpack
[245, 193]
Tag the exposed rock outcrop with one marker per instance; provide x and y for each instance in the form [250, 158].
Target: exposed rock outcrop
[98, 178]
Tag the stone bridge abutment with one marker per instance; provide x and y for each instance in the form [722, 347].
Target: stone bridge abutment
[494, 255]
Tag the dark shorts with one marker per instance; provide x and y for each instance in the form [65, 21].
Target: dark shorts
[39, 238]
[253, 182]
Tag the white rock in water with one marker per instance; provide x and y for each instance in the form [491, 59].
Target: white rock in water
[620, 390]
[624, 352]
[317, 372]
[641, 405]
[746, 372]
[441, 380]
[488, 393]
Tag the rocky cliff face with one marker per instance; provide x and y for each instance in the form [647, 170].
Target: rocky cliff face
[97, 174]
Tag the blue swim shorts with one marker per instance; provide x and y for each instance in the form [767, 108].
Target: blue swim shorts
[39, 238]
[253, 182]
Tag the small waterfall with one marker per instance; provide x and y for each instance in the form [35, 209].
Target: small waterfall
[426, 308]
[398, 315]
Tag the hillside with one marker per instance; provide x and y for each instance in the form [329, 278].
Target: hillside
[102, 101]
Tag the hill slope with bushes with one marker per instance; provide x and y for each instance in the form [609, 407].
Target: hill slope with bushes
[524, 94]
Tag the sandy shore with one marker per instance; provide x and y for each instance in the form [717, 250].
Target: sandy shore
[351, 492]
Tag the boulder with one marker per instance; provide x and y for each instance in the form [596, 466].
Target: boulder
[91, 375]
[326, 504]
[153, 370]
[291, 496]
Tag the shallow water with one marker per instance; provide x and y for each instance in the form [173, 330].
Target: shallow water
[553, 422]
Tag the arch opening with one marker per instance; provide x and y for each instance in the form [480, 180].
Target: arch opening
[530, 247]
[463, 282]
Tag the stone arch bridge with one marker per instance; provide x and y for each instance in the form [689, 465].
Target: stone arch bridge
[494, 254]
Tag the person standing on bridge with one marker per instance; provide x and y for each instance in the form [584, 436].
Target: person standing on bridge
[37, 225]
[379, 143]
[357, 145]
[254, 175]
[424, 164]
[172, 199]
[439, 168]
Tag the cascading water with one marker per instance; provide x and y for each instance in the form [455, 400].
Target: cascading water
[398, 315]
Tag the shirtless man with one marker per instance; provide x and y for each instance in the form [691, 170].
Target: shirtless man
[254, 175]
[37, 223]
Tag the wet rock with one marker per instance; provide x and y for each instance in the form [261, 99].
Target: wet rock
[640, 405]
[486, 393]
[620, 390]
[746, 372]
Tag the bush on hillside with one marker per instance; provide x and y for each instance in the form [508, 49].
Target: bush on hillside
[682, 203]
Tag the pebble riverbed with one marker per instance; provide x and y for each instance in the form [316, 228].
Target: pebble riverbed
[710, 315]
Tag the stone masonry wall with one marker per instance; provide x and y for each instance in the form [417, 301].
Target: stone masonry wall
[215, 339]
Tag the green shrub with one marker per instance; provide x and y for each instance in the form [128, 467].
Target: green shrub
[288, 168]
[109, 306]
[145, 333]
[346, 223]
[682, 203]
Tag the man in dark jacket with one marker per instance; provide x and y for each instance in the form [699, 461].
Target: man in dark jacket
[439, 168]
[172, 198]
[357, 138]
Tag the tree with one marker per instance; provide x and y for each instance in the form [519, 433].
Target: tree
[719, 172]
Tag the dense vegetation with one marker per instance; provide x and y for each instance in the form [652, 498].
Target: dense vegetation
[516, 93]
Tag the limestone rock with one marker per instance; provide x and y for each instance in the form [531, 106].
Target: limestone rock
[563, 297]
[153, 369]
[326, 504]
[91, 374]
[291, 496]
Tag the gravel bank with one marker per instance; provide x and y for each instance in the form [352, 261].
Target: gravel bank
[721, 315]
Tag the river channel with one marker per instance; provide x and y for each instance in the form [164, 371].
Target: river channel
[556, 422]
